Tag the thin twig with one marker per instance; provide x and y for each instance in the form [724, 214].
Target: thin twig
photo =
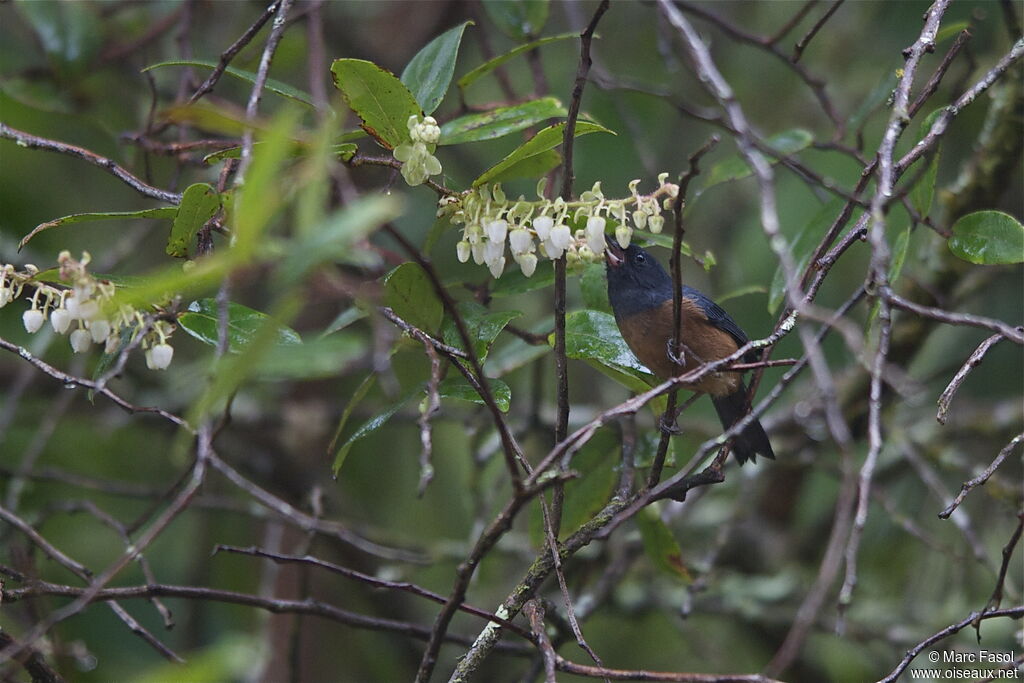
[35, 142]
[979, 480]
[973, 361]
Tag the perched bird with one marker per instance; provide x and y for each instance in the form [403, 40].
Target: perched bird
[640, 292]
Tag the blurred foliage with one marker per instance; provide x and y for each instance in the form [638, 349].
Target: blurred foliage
[319, 377]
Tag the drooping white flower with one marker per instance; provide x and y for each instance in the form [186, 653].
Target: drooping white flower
[561, 238]
[542, 226]
[655, 223]
[595, 234]
[159, 356]
[520, 241]
[497, 267]
[60, 320]
[496, 230]
[100, 330]
[81, 340]
[6, 294]
[478, 253]
[33, 320]
[528, 264]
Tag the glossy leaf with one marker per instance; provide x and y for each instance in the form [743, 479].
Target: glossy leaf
[594, 288]
[518, 19]
[544, 140]
[530, 168]
[500, 122]
[988, 238]
[594, 337]
[458, 388]
[483, 327]
[202, 322]
[734, 168]
[274, 86]
[492, 64]
[379, 99]
[199, 203]
[410, 294]
[430, 72]
[950, 30]
[357, 396]
[166, 212]
[661, 546]
[370, 426]
[802, 248]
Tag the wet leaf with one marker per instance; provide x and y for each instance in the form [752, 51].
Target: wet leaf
[202, 321]
[988, 238]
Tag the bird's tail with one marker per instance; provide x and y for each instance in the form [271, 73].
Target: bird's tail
[752, 440]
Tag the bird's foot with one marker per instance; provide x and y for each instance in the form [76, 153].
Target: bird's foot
[667, 425]
[670, 351]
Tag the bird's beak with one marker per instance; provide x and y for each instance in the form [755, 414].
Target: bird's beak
[614, 255]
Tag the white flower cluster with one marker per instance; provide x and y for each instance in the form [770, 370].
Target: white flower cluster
[417, 157]
[543, 226]
[82, 310]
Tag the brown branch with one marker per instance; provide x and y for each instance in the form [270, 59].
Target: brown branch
[34, 142]
[973, 361]
[801, 45]
[1014, 334]
[70, 381]
[979, 480]
[1012, 613]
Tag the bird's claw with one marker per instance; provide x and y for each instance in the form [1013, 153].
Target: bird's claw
[679, 359]
[668, 425]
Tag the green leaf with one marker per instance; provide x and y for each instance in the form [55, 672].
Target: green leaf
[379, 99]
[923, 193]
[597, 463]
[166, 212]
[950, 30]
[785, 143]
[459, 389]
[802, 248]
[199, 203]
[334, 239]
[492, 64]
[202, 321]
[546, 139]
[594, 336]
[530, 168]
[274, 86]
[740, 291]
[320, 358]
[211, 118]
[357, 397]
[371, 425]
[482, 325]
[879, 94]
[515, 282]
[430, 72]
[661, 546]
[518, 19]
[410, 294]
[594, 288]
[344, 151]
[344, 319]
[988, 238]
[500, 122]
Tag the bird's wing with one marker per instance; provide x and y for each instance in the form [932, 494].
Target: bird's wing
[716, 315]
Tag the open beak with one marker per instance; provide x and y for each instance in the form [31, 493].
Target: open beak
[614, 255]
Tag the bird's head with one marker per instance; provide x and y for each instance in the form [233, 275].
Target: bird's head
[635, 278]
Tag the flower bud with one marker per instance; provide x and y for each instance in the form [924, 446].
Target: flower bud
[60, 319]
[496, 230]
[623, 235]
[528, 264]
[639, 219]
[33, 320]
[497, 267]
[81, 340]
[595, 234]
[6, 295]
[520, 241]
[159, 356]
[462, 249]
[655, 223]
[542, 226]
[473, 234]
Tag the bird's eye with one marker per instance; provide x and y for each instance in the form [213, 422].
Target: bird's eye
[640, 258]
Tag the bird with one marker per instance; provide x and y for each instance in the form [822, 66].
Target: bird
[640, 293]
